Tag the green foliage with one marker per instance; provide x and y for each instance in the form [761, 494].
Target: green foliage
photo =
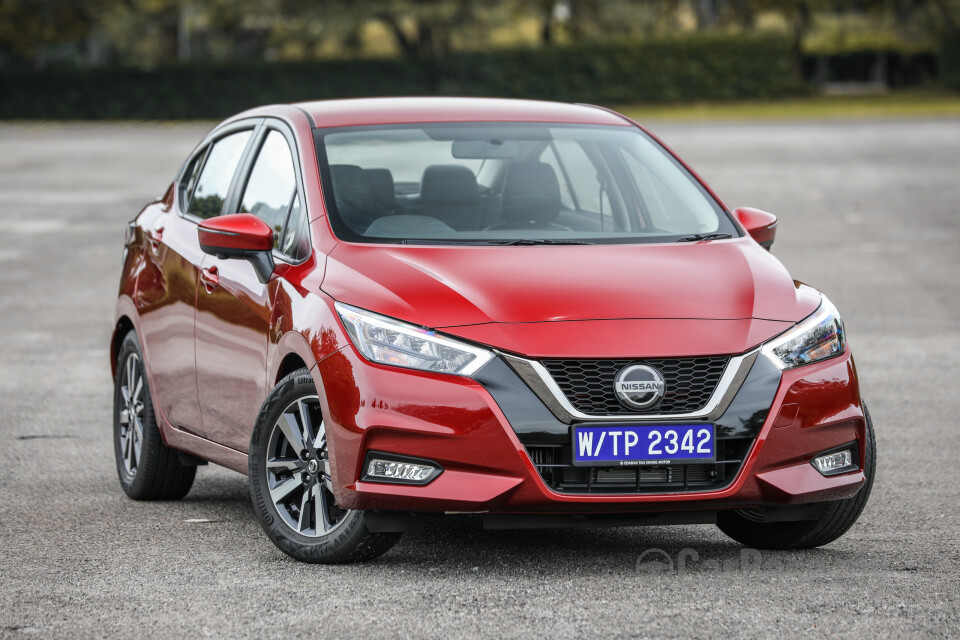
[662, 70]
[950, 60]
[666, 70]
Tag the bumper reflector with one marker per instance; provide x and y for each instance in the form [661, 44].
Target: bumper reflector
[392, 470]
[829, 464]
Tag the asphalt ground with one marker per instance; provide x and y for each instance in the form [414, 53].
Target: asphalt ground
[869, 214]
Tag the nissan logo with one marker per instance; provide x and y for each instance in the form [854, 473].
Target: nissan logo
[639, 386]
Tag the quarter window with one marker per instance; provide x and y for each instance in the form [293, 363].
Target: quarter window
[189, 182]
[217, 173]
[272, 188]
[296, 238]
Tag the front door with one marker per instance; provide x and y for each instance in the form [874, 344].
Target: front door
[234, 311]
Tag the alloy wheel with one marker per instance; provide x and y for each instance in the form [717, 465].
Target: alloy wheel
[298, 470]
[131, 413]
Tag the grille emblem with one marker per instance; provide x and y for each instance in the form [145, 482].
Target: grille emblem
[639, 386]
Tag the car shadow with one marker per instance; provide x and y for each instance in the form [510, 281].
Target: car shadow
[460, 546]
[676, 550]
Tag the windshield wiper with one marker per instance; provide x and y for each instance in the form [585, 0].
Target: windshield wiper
[496, 243]
[697, 237]
[515, 243]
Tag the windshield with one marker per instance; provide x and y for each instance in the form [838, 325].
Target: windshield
[496, 183]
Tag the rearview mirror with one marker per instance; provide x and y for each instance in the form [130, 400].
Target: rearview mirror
[485, 149]
[761, 226]
[239, 235]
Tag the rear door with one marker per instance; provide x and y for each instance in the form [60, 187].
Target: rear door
[234, 309]
[167, 286]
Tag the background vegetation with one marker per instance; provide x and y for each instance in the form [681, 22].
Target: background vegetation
[209, 58]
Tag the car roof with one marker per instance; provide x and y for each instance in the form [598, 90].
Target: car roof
[374, 111]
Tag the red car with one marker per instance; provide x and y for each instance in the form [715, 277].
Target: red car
[519, 314]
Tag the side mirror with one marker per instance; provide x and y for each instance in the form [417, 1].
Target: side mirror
[239, 235]
[761, 226]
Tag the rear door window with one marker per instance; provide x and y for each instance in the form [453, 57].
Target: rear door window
[217, 173]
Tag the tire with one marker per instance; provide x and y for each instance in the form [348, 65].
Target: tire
[291, 484]
[148, 469]
[835, 519]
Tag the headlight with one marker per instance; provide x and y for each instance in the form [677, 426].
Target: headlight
[818, 337]
[388, 341]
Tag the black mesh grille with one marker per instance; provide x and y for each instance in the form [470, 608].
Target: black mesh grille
[588, 384]
[554, 462]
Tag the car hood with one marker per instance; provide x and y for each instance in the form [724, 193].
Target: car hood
[455, 286]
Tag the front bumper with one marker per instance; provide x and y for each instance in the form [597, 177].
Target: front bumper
[476, 431]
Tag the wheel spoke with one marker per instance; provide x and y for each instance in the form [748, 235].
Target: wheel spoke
[285, 464]
[291, 431]
[131, 372]
[321, 440]
[309, 439]
[304, 521]
[137, 392]
[327, 476]
[284, 489]
[137, 442]
[320, 506]
[124, 417]
[128, 452]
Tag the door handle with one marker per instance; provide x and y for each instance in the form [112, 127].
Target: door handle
[155, 236]
[210, 278]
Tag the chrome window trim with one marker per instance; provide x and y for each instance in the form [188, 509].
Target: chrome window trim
[729, 384]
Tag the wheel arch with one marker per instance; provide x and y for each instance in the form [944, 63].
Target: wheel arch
[123, 326]
[290, 363]
[292, 352]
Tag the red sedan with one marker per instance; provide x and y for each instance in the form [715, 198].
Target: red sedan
[519, 314]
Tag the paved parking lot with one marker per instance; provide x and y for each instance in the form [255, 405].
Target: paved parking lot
[870, 213]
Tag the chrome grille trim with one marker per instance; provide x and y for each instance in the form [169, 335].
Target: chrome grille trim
[536, 376]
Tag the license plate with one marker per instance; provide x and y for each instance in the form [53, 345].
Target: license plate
[638, 445]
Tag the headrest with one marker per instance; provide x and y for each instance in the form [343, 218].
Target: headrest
[448, 183]
[350, 186]
[346, 176]
[531, 193]
[380, 183]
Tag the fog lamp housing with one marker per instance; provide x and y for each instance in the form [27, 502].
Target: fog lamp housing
[390, 468]
[843, 459]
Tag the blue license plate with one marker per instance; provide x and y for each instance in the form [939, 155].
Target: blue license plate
[635, 445]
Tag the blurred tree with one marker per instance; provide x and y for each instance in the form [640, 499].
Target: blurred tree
[421, 28]
[149, 32]
[42, 32]
[549, 11]
[706, 13]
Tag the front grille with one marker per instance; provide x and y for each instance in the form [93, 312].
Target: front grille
[588, 384]
[554, 463]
